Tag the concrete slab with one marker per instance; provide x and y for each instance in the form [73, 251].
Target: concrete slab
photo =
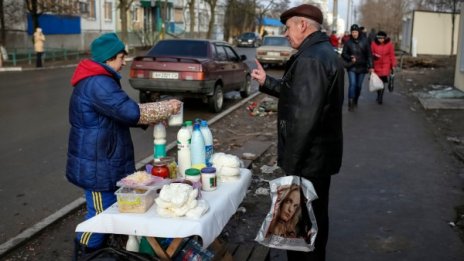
[442, 104]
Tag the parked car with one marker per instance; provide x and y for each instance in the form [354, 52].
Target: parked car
[190, 68]
[275, 50]
[249, 39]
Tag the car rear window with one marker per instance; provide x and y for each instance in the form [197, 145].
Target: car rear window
[248, 35]
[197, 49]
[279, 41]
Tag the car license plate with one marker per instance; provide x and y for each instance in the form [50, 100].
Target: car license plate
[273, 53]
[165, 75]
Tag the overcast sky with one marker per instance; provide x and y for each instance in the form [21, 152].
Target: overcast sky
[343, 7]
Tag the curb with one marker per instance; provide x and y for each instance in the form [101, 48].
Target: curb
[71, 207]
[21, 69]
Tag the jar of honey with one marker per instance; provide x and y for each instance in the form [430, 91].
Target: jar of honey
[160, 169]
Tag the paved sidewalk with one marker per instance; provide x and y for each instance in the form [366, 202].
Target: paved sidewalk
[397, 189]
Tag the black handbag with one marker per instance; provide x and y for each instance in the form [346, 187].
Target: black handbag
[391, 81]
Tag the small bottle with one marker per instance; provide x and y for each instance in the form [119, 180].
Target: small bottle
[159, 141]
[184, 161]
[132, 244]
[197, 146]
[193, 175]
[208, 138]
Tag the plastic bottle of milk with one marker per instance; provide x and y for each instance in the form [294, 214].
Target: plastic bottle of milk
[197, 147]
[159, 140]
[208, 137]
[183, 151]
[189, 126]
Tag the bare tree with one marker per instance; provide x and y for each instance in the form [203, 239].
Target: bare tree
[389, 20]
[191, 6]
[124, 6]
[212, 6]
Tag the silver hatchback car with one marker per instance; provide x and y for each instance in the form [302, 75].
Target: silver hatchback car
[275, 50]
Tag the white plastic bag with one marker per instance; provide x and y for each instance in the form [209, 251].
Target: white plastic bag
[290, 224]
[375, 83]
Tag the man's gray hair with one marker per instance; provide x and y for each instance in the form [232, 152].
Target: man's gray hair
[310, 21]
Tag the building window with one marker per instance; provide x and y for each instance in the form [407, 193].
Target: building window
[87, 7]
[108, 11]
[92, 9]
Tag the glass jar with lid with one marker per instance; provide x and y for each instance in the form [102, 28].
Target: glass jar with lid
[160, 169]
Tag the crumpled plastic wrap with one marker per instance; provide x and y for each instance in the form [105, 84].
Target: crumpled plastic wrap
[290, 224]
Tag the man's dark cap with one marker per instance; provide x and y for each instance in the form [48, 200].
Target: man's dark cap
[309, 11]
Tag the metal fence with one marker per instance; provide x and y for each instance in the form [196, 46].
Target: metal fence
[28, 56]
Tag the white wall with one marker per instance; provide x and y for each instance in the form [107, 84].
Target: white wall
[432, 32]
[459, 69]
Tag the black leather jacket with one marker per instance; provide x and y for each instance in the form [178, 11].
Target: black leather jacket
[361, 49]
[310, 140]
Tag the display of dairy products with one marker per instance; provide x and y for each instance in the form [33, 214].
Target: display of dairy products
[183, 151]
[179, 199]
[197, 146]
[208, 138]
[227, 166]
[159, 141]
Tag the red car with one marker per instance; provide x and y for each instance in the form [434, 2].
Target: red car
[190, 68]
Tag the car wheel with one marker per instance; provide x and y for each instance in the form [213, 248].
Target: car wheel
[256, 44]
[245, 92]
[216, 101]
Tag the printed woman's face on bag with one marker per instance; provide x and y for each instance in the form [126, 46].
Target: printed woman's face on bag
[290, 205]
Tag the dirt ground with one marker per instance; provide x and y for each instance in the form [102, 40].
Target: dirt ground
[239, 127]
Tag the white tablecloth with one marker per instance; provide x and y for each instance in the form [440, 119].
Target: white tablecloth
[223, 203]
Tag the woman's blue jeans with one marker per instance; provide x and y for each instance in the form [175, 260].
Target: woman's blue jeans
[355, 84]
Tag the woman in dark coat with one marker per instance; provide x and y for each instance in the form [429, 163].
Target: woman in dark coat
[358, 61]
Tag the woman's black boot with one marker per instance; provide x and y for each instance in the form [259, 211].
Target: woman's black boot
[350, 104]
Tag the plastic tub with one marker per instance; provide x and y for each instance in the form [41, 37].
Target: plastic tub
[132, 200]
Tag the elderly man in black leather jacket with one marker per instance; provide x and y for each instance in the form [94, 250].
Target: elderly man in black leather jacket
[310, 140]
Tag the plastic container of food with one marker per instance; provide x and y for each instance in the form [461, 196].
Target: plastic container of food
[208, 179]
[193, 175]
[132, 200]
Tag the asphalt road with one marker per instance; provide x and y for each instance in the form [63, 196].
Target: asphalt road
[33, 143]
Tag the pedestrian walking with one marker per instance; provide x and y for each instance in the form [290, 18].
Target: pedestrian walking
[372, 35]
[310, 112]
[345, 38]
[383, 53]
[334, 40]
[39, 40]
[357, 56]
[100, 149]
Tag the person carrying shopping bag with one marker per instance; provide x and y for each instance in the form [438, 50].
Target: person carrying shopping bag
[383, 53]
[357, 58]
